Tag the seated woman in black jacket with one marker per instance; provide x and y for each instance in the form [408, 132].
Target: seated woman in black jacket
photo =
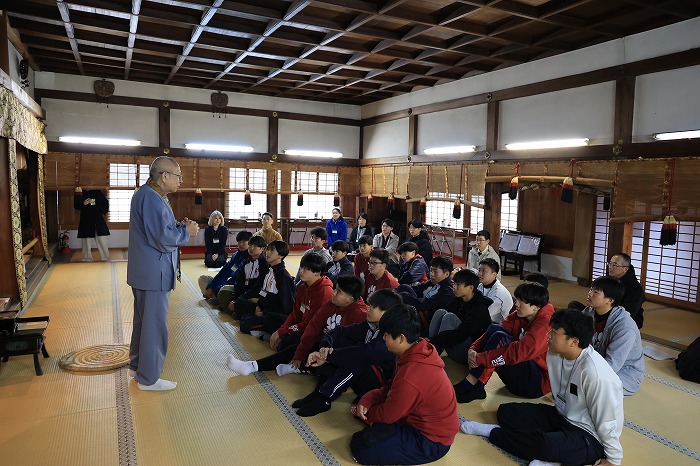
[215, 237]
[358, 231]
[420, 237]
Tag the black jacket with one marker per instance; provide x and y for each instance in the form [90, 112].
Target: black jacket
[92, 215]
[354, 236]
[425, 247]
[634, 296]
[283, 300]
[475, 319]
[358, 345]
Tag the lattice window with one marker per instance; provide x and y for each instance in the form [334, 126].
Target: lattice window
[123, 178]
[671, 271]
[600, 240]
[509, 213]
[476, 215]
[440, 212]
[315, 205]
[257, 181]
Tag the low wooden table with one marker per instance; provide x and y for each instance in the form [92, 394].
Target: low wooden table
[28, 339]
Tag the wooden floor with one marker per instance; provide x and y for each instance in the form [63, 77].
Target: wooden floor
[215, 416]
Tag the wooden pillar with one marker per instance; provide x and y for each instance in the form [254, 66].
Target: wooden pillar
[492, 212]
[164, 126]
[412, 134]
[492, 120]
[4, 40]
[624, 110]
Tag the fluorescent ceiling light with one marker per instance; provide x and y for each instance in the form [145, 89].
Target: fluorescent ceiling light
[677, 135]
[102, 141]
[449, 150]
[313, 153]
[217, 147]
[548, 144]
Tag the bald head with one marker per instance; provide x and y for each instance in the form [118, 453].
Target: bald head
[162, 164]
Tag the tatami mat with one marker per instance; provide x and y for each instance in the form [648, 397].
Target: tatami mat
[216, 416]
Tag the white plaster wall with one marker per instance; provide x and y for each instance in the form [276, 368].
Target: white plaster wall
[309, 135]
[582, 112]
[673, 38]
[14, 58]
[239, 130]
[57, 81]
[386, 139]
[68, 118]
[554, 266]
[666, 101]
[458, 127]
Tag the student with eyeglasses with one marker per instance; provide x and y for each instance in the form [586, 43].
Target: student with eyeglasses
[379, 277]
[620, 266]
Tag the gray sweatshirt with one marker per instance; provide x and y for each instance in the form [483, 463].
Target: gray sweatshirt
[621, 345]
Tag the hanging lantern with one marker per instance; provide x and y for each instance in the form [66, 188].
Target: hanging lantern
[567, 190]
[513, 191]
[390, 203]
[606, 202]
[457, 209]
[300, 198]
[336, 200]
[198, 196]
[369, 201]
[246, 198]
[422, 205]
[668, 231]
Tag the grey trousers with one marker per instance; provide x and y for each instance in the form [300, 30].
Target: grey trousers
[442, 321]
[149, 338]
[101, 242]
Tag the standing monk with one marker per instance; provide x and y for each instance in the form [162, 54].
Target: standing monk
[154, 237]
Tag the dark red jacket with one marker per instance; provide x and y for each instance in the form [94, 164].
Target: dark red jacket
[328, 317]
[308, 300]
[420, 395]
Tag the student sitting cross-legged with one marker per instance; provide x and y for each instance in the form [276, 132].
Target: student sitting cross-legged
[412, 267]
[250, 279]
[464, 320]
[275, 298]
[345, 307]
[414, 420]
[436, 293]
[379, 277]
[210, 286]
[352, 356]
[616, 336]
[516, 349]
[585, 423]
[340, 265]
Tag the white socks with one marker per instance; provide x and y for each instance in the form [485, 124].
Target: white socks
[160, 385]
[542, 463]
[284, 369]
[132, 373]
[242, 367]
[477, 428]
[256, 333]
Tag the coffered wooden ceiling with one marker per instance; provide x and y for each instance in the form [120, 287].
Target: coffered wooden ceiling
[349, 51]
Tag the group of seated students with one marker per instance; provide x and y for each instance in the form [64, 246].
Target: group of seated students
[357, 326]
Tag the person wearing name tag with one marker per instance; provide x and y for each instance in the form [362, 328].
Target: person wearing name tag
[215, 237]
[585, 424]
[336, 228]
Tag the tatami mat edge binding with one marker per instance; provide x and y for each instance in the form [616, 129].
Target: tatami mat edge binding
[317, 447]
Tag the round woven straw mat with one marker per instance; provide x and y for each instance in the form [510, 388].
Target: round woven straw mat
[96, 358]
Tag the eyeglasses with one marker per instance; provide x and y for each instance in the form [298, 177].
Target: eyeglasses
[615, 264]
[375, 262]
[174, 174]
[554, 332]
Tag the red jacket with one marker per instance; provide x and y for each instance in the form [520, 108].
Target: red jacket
[420, 395]
[385, 281]
[530, 344]
[328, 317]
[361, 267]
[308, 300]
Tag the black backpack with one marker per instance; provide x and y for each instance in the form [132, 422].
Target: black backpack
[688, 362]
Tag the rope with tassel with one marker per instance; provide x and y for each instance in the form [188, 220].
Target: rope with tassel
[669, 228]
[513, 190]
[390, 201]
[370, 201]
[567, 187]
[300, 195]
[246, 196]
[423, 205]
[457, 208]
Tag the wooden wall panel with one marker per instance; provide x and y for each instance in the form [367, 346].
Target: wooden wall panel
[543, 212]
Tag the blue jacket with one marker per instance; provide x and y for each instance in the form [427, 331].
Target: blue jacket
[337, 230]
[413, 272]
[228, 273]
[333, 270]
[154, 236]
[359, 345]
